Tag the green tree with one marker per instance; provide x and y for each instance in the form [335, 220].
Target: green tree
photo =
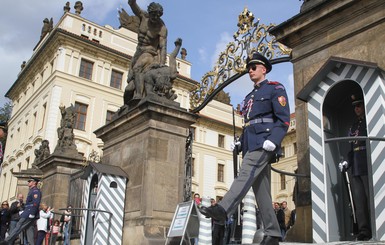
[5, 114]
[6, 111]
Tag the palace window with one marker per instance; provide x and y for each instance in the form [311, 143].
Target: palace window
[80, 116]
[44, 112]
[221, 173]
[116, 79]
[86, 69]
[283, 182]
[282, 152]
[221, 141]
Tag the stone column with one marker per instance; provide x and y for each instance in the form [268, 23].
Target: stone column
[57, 171]
[148, 143]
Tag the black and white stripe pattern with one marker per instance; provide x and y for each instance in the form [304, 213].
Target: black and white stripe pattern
[108, 229]
[371, 81]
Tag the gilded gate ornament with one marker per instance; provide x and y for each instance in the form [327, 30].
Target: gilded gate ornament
[231, 64]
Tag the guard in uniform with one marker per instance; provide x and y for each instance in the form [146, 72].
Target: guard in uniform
[267, 115]
[357, 162]
[29, 215]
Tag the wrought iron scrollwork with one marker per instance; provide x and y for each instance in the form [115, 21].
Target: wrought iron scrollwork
[188, 168]
[250, 37]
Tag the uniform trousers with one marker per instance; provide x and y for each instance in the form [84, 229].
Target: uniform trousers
[254, 173]
[26, 224]
[360, 193]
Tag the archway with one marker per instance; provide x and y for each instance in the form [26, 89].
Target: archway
[337, 118]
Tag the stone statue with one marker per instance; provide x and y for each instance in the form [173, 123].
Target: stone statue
[151, 49]
[129, 22]
[23, 65]
[183, 53]
[47, 27]
[42, 153]
[67, 7]
[65, 132]
[78, 7]
[160, 80]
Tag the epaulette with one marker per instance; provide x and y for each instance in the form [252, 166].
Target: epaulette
[279, 85]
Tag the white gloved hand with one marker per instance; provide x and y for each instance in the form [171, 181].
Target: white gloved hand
[31, 216]
[235, 144]
[343, 166]
[268, 145]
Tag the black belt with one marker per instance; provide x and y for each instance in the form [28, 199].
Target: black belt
[259, 120]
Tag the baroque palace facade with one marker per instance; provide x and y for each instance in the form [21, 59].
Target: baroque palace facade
[80, 63]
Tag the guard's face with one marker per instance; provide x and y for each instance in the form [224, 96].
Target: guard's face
[359, 109]
[31, 183]
[257, 72]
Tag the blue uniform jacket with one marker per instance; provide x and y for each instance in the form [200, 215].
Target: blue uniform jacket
[357, 156]
[268, 101]
[32, 203]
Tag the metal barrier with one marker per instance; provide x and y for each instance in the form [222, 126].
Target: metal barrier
[367, 140]
[77, 215]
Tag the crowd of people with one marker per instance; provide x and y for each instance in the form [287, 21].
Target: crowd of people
[32, 221]
[285, 217]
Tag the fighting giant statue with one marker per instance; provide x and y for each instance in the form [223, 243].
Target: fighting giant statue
[148, 75]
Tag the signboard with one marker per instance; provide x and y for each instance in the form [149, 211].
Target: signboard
[185, 224]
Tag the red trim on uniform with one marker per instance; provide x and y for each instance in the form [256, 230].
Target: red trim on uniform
[287, 123]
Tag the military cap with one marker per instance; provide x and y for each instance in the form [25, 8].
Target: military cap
[257, 58]
[33, 179]
[356, 99]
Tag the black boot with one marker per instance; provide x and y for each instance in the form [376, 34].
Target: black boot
[270, 240]
[216, 212]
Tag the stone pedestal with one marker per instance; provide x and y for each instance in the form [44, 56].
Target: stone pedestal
[302, 227]
[148, 143]
[57, 171]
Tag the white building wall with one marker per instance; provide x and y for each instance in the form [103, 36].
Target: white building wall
[53, 115]
[211, 138]
[209, 175]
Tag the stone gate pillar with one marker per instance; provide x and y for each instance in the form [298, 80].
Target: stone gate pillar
[148, 143]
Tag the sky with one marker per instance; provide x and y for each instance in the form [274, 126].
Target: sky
[206, 27]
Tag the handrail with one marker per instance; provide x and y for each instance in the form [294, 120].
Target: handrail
[289, 174]
[355, 138]
[87, 209]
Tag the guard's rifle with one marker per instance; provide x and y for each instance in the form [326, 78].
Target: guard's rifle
[351, 201]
